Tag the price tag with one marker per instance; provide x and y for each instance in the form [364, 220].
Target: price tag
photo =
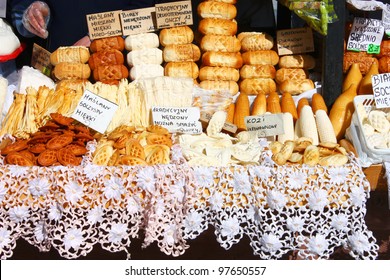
[381, 89]
[94, 111]
[386, 19]
[373, 49]
[175, 119]
[293, 41]
[265, 125]
[3, 8]
[365, 32]
[102, 25]
[174, 14]
[138, 21]
[227, 126]
[40, 60]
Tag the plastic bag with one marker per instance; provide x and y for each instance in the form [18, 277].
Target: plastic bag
[317, 14]
[36, 17]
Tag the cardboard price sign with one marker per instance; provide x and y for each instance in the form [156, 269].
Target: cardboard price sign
[381, 89]
[265, 125]
[138, 21]
[174, 14]
[40, 60]
[365, 33]
[294, 41]
[94, 111]
[175, 119]
[102, 25]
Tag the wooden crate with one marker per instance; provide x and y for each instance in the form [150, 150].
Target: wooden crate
[376, 176]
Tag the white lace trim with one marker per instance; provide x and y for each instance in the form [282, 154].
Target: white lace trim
[311, 210]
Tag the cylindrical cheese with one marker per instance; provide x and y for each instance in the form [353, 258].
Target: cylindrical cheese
[214, 9]
[182, 52]
[257, 86]
[283, 74]
[257, 41]
[217, 26]
[75, 54]
[176, 35]
[184, 69]
[223, 43]
[110, 72]
[296, 87]
[257, 71]
[107, 57]
[219, 73]
[222, 59]
[70, 70]
[260, 57]
[116, 42]
[229, 86]
[146, 71]
[304, 61]
[145, 56]
[141, 41]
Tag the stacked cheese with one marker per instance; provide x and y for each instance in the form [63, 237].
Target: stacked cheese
[144, 57]
[180, 54]
[258, 73]
[292, 74]
[107, 60]
[221, 58]
[70, 63]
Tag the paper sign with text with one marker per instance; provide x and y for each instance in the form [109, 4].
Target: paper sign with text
[3, 8]
[294, 41]
[138, 21]
[178, 119]
[227, 126]
[386, 19]
[94, 111]
[265, 125]
[381, 89]
[40, 60]
[365, 33]
[102, 25]
[174, 14]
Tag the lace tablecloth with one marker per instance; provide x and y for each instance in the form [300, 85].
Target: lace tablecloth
[311, 210]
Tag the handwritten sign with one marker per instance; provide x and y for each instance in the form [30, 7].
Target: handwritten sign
[227, 126]
[386, 19]
[40, 60]
[294, 41]
[174, 14]
[94, 111]
[265, 125]
[381, 89]
[365, 32]
[175, 119]
[138, 21]
[104, 25]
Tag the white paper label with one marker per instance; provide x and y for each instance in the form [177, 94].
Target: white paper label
[381, 89]
[3, 8]
[138, 21]
[94, 111]
[386, 19]
[265, 125]
[365, 32]
[178, 119]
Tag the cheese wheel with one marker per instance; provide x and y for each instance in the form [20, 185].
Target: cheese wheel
[260, 57]
[183, 52]
[146, 71]
[214, 9]
[176, 35]
[227, 59]
[223, 43]
[145, 56]
[141, 41]
[229, 86]
[219, 73]
[185, 69]
[217, 26]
